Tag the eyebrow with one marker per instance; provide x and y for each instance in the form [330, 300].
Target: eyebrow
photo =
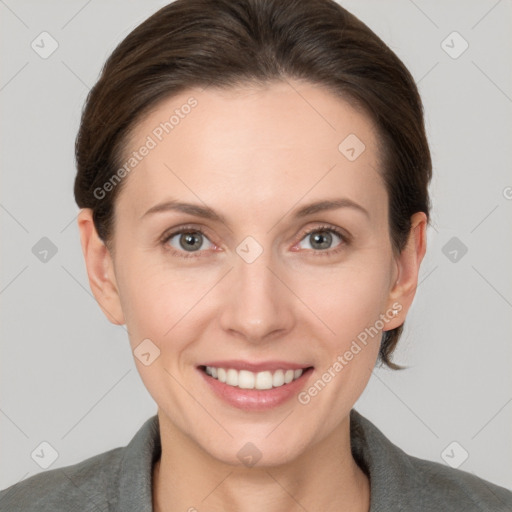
[208, 213]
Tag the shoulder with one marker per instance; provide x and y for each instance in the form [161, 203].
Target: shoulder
[436, 486]
[399, 481]
[119, 479]
[86, 486]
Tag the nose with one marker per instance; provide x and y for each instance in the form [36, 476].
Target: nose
[259, 306]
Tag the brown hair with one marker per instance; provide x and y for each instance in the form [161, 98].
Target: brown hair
[226, 43]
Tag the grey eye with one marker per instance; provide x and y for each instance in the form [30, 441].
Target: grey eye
[320, 239]
[190, 241]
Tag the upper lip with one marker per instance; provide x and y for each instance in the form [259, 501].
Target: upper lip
[257, 367]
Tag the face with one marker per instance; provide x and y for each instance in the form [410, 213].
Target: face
[249, 282]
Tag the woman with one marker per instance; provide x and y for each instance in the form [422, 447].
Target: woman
[253, 183]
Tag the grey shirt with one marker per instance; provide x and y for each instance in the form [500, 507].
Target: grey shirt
[120, 479]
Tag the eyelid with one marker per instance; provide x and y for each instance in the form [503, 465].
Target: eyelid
[346, 237]
[184, 228]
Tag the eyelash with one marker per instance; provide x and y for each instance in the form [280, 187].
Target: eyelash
[190, 229]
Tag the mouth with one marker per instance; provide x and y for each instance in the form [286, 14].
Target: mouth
[246, 379]
[255, 387]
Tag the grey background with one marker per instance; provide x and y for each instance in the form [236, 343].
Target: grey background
[67, 375]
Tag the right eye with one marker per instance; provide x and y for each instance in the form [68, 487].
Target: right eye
[187, 240]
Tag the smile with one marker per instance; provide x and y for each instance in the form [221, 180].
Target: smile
[255, 385]
[245, 379]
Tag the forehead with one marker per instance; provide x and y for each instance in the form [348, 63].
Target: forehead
[254, 141]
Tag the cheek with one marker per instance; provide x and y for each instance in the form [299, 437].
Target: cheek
[159, 301]
[349, 301]
[346, 299]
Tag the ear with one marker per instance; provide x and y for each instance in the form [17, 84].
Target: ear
[100, 268]
[408, 266]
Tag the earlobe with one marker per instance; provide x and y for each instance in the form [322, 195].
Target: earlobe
[408, 265]
[100, 268]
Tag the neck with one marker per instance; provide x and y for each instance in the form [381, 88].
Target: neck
[326, 477]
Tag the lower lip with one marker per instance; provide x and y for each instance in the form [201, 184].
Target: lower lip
[256, 399]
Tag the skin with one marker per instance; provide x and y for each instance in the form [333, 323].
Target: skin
[296, 302]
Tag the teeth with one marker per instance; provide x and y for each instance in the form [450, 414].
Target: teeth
[278, 378]
[263, 380]
[245, 379]
[232, 378]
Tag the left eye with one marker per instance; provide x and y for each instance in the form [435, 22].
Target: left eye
[321, 238]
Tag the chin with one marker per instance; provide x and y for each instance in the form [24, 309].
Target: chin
[259, 450]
